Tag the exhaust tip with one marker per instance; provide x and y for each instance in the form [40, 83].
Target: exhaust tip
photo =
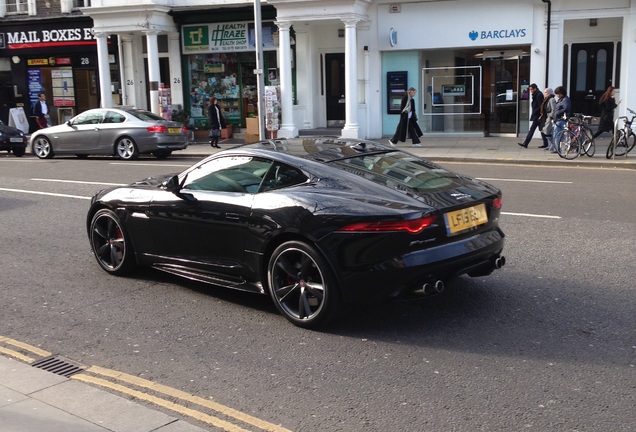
[439, 286]
[500, 262]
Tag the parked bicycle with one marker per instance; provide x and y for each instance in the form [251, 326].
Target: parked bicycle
[576, 138]
[624, 138]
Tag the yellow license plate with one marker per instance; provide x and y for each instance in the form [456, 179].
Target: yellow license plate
[461, 220]
[174, 130]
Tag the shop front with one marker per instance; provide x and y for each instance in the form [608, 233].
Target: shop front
[472, 76]
[221, 62]
[57, 58]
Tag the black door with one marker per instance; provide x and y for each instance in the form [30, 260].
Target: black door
[591, 66]
[335, 88]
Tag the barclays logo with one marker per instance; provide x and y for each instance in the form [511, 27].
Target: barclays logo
[497, 34]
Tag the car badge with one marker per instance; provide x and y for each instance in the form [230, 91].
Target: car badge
[461, 196]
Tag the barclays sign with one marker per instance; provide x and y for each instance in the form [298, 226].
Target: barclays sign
[507, 34]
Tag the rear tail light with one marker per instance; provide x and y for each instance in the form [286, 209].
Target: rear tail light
[157, 129]
[184, 129]
[496, 203]
[413, 226]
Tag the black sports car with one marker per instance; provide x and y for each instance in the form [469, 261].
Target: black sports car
[12, 140]
[316, 223]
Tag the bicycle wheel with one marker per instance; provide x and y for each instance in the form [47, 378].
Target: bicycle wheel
[631, 141]
[589, 146]
[620, 149]
[568, 146]
[610, 148]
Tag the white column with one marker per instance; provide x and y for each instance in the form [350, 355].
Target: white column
[351, 128]
[287, 128]
[129, 96]
[104, 70]
[154, 75]
[176, 74]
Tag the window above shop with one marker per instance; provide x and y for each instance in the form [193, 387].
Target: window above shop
[17, 6]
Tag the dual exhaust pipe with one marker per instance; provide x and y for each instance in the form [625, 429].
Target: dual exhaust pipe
[437, 286]
[433, 287]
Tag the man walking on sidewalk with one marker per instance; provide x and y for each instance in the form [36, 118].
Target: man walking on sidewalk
[537, 100]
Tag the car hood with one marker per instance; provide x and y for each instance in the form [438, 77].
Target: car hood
[10, 130]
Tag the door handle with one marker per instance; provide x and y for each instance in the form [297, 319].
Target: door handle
[233, 216]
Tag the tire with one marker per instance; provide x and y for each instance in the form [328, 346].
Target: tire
[110, 243]
[589, 146]
[42, 147]
[621, 145]
[82, 156]
[568, 146]
[162, 154]
[631, 141]
[610, 149]
[302, 285]
[18, 151]
[126, 149]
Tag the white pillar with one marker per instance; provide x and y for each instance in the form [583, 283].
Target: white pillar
[104, 70]
[176, 74]
[351, 128]
[154, 75]
[128, 84]
[287, 128]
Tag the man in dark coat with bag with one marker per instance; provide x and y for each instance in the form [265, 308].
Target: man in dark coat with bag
[537, 101]
[408, 121]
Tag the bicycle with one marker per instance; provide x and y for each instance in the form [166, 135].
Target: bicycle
[576, 138]
[624, 138]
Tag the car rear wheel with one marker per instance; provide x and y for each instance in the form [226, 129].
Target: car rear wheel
[110, 243]
[42, 148]
[302, 285]
[126, 149]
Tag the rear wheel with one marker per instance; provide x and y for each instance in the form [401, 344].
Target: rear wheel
[568, 146]
[42, 147]
[620, 149]
[302, 285]
[126, 149]
[110, 243]
[18, 151]
[589, 146]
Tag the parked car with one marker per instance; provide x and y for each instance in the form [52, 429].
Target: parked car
[316, 223]
[124, 132]
[12, 140]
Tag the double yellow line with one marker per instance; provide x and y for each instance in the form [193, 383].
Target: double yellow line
[124, 383]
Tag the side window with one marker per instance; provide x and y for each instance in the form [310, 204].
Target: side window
[88, 118]
[113, 117]
[241, 174]
[281, 175]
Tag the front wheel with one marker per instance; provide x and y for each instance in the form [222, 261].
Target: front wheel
[302, 285]
[18, 151]
[589, 146]
[567, 146]
[42, 148]
[110, 243]
[126, 149]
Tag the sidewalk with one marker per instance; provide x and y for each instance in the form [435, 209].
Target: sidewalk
[473, 149]
[34, 400]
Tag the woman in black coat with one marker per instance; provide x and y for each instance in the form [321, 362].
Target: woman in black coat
[608, 105]
[408, 121]
[216, 121]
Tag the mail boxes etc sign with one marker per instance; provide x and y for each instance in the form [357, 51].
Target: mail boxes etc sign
[225, 37]
[46, 38]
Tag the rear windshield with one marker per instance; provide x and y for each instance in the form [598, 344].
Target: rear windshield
[145, 115]
[399, 170]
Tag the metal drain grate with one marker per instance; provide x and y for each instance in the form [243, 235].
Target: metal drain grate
[58, 365]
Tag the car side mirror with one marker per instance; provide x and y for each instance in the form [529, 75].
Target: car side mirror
[173, 185]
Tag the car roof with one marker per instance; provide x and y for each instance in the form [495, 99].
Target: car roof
[318, 148]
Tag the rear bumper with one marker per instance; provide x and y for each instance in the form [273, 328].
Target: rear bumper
[394, 278]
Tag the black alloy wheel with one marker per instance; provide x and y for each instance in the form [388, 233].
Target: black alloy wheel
[302, 285]
[110, 243]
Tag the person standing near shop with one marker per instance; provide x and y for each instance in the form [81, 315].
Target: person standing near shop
[537, 101]
[546, 124]
[216, 122]
[407, 127]
[41, 112]
[608, 105]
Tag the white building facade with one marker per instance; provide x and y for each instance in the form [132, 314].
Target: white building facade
[345, 63]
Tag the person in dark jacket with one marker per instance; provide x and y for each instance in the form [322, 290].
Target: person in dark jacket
[562, 111]
[216, 122]
[608, 105]
[408, 121]
[41, 111]
[537, 101]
